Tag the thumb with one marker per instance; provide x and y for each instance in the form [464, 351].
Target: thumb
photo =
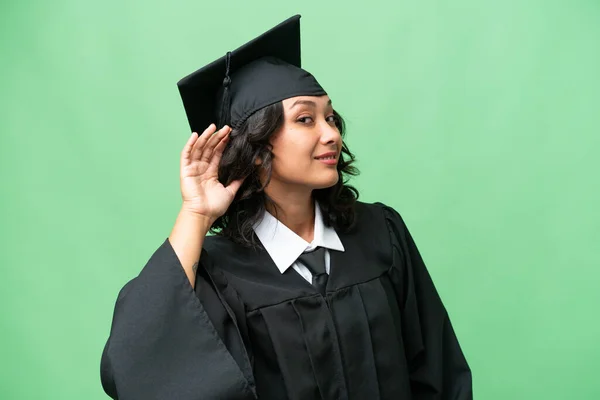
[234, 186]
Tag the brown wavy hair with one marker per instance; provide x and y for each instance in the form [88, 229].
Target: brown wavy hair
[249, 143]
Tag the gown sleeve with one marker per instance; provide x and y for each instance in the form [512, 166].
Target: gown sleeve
[164, 345]
[438, 369]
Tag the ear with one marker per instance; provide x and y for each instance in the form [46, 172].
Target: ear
[258, 161]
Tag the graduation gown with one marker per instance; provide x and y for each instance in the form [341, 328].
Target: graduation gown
[247, 331]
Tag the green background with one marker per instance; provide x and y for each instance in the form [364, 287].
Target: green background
[477, 120]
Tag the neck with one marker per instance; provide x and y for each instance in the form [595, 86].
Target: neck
[294, 209]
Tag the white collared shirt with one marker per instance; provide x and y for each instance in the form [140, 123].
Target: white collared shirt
[285, 246]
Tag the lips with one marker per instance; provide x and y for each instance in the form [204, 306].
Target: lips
[332, 155]
[329, 158]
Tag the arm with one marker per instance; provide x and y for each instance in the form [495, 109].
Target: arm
[162, 343]
[187, 238]
[204, 197]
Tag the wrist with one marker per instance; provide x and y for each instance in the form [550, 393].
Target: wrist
[201, 219]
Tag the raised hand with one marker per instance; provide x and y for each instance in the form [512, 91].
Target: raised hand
[201, 190]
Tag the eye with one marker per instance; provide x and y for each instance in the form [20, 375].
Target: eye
[332, 118]
[304, 120]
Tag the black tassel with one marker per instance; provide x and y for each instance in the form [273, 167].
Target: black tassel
[226, 101]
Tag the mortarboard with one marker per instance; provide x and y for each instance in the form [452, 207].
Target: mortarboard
[260, 73]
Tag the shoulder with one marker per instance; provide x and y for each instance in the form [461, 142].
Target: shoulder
[376, 219]
[222, 250]
[218, 243]
[369, 212]
[221, 246]
[381, 218]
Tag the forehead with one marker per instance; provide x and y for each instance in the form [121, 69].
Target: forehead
[318, 101]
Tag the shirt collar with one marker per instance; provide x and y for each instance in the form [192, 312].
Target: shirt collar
[285, 246]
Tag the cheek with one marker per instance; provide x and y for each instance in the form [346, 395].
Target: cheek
[290, 161]
[290, 150]
[293, 166]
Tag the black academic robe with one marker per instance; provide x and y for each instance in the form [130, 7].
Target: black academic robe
[248, 331]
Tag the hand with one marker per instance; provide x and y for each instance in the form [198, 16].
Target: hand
[201, 190]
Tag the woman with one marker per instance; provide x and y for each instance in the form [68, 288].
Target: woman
[304, 292]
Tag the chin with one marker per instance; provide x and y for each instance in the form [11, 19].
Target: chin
[327, 183]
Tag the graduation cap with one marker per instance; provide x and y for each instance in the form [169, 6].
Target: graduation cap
[260, 73]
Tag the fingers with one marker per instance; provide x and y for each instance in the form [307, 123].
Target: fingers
[218, 151]
[209, 149]
[195, 142]
[187, 149]
[202, 141]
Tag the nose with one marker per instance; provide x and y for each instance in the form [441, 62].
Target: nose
[329, 134]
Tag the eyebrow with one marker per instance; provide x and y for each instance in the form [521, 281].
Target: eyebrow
[308, 103]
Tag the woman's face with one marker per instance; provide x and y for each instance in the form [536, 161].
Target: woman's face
[307, 147]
